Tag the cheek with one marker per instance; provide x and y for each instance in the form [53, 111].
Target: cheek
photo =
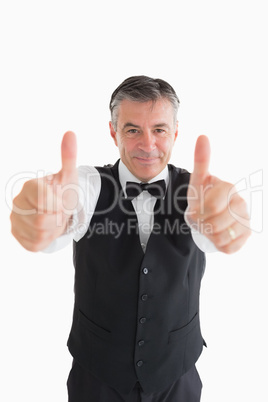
[128, 146]
[166, 146]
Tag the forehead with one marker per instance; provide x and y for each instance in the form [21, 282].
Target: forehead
[144, 112]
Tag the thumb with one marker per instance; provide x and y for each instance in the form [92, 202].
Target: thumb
[68, 153]
[201, 160]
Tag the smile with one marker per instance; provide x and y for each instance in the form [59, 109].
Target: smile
[147, 161]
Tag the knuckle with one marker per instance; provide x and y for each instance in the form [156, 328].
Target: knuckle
[29, 185]
[15, 200]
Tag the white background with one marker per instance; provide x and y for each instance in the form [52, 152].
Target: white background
[60, 62]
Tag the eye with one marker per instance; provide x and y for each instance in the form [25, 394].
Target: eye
[133, 131]
[159, 131]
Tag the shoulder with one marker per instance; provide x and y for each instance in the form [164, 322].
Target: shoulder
[177, 171]
[85, 169]
[89, 180]
[95, 176]
[88, 173]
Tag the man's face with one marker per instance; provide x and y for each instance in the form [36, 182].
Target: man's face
[145, 136]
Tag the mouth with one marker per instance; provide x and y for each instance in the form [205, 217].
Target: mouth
[146, 161]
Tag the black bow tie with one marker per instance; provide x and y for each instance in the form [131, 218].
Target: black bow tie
[157, 189]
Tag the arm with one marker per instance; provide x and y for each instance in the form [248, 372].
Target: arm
[89, 186]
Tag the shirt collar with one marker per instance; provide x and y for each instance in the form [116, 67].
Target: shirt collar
[125, 175]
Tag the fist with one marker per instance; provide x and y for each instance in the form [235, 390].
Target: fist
[42, 209]
[214, 205]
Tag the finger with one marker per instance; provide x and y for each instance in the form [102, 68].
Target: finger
[219, 222]
[223, 239]
[40, 222]
[235, 245]
[217, 200]
[201, 160]
[214, 199]
[38, 243]
[38, 196]
[68, 153]
[38, 233]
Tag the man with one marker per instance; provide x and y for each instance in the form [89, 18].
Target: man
[136, 333]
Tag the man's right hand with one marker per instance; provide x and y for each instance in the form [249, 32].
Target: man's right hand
[44, 206]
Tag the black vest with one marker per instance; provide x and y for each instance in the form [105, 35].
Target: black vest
[136, 315]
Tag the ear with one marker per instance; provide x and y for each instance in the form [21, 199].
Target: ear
[113, 133]
[177, 130]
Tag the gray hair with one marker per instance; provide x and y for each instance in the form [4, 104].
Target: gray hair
[142, 89]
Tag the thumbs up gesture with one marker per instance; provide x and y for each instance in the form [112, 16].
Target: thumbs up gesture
[44, 206]
[214, 205]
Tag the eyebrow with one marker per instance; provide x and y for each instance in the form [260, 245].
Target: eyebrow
[161, 125]
[129, 124]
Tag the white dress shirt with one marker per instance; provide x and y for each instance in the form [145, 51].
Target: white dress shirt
[89, 191]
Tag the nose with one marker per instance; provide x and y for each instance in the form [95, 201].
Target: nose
[147, 143]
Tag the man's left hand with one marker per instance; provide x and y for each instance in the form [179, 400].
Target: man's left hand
[214, 206]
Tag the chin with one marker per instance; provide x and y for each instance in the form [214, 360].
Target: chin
[146, 173]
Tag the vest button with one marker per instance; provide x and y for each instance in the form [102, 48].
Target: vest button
[141, 342]
[139, 363]
[145, 271]
[144, 297]
[142, 320]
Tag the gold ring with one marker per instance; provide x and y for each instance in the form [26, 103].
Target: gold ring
[231, 233]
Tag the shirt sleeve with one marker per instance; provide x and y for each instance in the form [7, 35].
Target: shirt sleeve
[89, 185]
[200, 239]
